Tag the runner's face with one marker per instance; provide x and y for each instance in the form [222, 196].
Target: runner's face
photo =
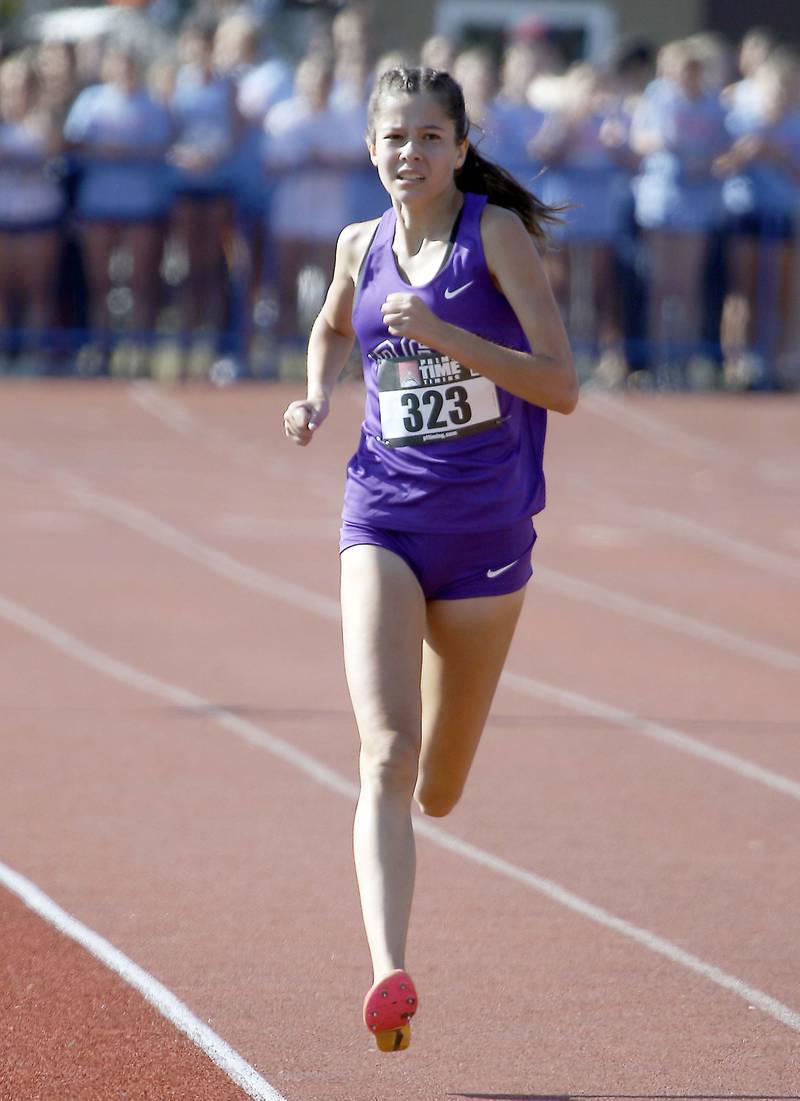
[415, 148]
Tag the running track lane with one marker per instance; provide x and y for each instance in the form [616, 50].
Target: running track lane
[71, 1003]
[557, 830]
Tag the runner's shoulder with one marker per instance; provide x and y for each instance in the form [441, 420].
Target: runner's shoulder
[504, 236]
[354, 240]
[501, 221]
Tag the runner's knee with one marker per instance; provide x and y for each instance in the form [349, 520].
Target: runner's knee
[436, 802]
[389, 760]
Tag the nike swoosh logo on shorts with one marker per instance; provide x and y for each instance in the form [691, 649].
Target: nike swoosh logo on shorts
[451, 294]
[496, 573]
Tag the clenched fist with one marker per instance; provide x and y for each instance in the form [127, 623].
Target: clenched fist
[302, 418]
[405, 314]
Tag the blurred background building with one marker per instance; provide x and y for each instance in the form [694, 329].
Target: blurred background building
[412, 21]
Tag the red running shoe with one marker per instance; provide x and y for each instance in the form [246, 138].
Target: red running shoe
[388, 1009]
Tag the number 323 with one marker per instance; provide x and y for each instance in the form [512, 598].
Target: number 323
[459, 410]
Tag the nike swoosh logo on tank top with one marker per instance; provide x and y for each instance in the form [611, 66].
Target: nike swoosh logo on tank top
[452, 294]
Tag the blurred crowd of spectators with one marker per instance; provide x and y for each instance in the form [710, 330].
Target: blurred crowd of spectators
[200, 193]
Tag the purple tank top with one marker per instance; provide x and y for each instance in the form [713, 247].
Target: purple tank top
[442, 449]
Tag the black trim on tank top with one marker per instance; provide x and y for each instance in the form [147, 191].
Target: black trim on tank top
[363, 265]
[451, 242]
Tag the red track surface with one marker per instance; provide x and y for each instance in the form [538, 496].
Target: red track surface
[225, 871]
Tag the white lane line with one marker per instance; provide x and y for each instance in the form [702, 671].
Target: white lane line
[151, 400]
[659, 616]
[251, 456]
[662, 947]
[649, 518]
[68, 644]
[154, 992]
[158, 531]
[153, 528]
[150, 526]
[777, 474]
[126, 674]
[145, 523]
[655, 430]
[667, 735]
[731, 546]
[169, 412]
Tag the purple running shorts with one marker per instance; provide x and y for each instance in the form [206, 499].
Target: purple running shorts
[456, 566]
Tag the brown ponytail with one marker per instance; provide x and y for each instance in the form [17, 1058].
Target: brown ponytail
[484, 177]
[477, 174]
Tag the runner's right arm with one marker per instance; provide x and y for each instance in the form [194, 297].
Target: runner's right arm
[331, 340]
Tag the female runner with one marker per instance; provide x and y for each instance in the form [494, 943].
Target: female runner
[447, 297]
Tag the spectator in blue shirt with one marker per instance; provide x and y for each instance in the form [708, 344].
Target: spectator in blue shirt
[761, 191]
[209, 130]
[678, 129]
[584, 145]
[119, 136]
[31, 212]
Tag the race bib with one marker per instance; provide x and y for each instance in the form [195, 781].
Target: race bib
[429, 397]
